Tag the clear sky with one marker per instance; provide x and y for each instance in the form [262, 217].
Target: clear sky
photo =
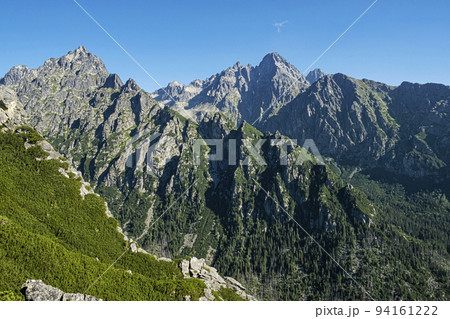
[397, 40]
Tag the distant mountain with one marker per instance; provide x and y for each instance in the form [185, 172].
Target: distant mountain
[362, 122]
[315, 75]
[243, 92]
[403, 129]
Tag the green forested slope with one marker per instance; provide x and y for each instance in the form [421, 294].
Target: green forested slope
[49, 232]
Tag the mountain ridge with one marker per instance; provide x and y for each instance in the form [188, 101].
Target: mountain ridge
[218, 212]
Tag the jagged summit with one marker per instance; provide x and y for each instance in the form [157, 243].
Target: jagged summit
[273, 61]
[315, 75]
[14, 75]
[274, 56]
[130, 86]
[175, 83]
[82, 49]
[113, 81]
[245, 92]
[237, 65]
[80, 68]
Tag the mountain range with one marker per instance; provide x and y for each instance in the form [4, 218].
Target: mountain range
[378, 204]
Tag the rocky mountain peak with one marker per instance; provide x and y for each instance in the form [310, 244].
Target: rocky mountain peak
[113, 81]
[82, 50]
[196, 83]
[245, 92]
[315, 75]
[175, 84]
[80, 53]
[275, 67]
[272, 57]
[273, 61]
[78, 60]
[130, 86]
[15, 75]
[238, 65]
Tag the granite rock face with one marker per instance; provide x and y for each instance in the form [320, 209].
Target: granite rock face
[12, 113]
[37, 290]
[14, 75]
[315, 75]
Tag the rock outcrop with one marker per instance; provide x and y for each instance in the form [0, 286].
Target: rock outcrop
[12, 113]
[315, 75]
[37, 290]
[197, 268]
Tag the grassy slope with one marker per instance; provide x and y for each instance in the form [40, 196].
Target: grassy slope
[48, 232]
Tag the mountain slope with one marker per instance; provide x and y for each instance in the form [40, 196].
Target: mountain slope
[53, 227]
[402, 129]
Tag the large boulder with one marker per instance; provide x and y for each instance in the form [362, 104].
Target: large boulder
[36, 290]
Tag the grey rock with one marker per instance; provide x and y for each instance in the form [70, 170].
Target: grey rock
[73, 297]
[91, 298]
[184, 265]
[47, 147]
[15, 75]
[234, 284]
[209, 295]
[12, 113]
[315, 75]
[36, 290]
[195, 266]
[113, 81]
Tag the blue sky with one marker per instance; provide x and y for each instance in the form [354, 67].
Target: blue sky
[397, 40]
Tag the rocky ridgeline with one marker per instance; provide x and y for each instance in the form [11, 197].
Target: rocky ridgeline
[315, 75]
[244, 92]
[37, 290]
[365, 123]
